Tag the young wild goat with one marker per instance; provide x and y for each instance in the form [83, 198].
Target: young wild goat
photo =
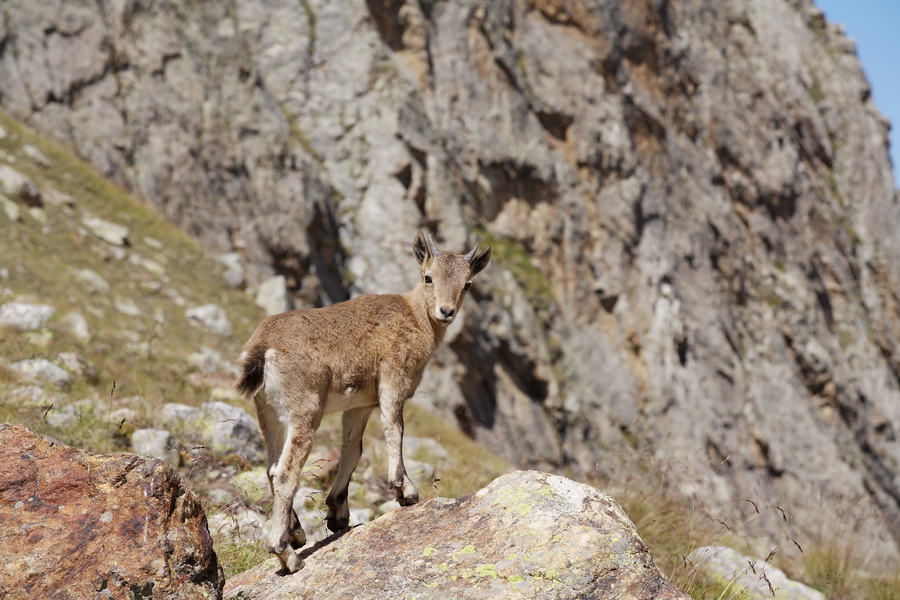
[351, 357]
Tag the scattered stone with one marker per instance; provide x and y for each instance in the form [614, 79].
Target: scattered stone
[211, 318]
[420, 472]
[127, 306]
[358, 516]
[34, 153]
[273, 295]
[61, 419]
[153, 243]
[109, 232]
[254, 484]
[41, 370]
[308, 498]
[118, 523]
[24, 316]
[77, 326]
[424, 448]
[228, 429]
[54, 197]
[3, 134]
[749, 578]
[18, 187]
[40, 338]
[526, 535]
[77, 365]
[92, 281]
[178, 416]
[241, 525]
[156, 443]
[208, 360]
[31, 395]
[148, 264]
[234, 268]
[10, 209]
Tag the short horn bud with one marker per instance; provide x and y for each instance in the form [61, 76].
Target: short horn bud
[434, 249]
[471, 254]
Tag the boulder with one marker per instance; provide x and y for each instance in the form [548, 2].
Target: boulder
[526, 535]
[79, 525]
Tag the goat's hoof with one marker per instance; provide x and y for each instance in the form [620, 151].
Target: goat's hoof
[290, 562]
[408, 500]
[337, 524]
[298, 538]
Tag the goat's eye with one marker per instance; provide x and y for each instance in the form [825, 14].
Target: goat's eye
[467, 286]
[428, 280]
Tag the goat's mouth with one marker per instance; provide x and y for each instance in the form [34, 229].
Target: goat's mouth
[443, 319]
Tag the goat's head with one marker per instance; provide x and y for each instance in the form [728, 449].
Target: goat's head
[446, 276]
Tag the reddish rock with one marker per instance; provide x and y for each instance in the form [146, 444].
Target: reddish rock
[80, 525]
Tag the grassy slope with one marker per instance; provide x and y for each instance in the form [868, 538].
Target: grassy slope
[141, 360]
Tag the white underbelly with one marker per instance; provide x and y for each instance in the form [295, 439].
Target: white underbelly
[339, 401]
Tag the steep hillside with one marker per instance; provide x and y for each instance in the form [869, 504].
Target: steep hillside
[99, 349]
[692, 205]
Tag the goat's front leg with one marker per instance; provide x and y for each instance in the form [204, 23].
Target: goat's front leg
[392, 421]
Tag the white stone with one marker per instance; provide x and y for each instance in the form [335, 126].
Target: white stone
[156, 443]
[109, 232]
[228, 429]
[273, 295]
[745, 575]
[211, 318]
[234, 268]
[93, 282]
[35, 154]
[77, 326]
[41, 370]
[126, 306]
[18, 187]
[24, 316]
[178, 416]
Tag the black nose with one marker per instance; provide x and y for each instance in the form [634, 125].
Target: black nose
[447, 312]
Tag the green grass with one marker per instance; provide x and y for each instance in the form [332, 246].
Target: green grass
[144, 355]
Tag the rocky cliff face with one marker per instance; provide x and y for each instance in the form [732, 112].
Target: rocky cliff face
[691, 206]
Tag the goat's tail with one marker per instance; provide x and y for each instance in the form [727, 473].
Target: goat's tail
[253, 368]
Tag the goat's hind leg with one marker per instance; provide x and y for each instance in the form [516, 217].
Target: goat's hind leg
[284, 530]
[354, 425]
[273, 433]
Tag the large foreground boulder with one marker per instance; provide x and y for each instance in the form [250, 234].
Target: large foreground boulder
[526, 535]
[76, 525]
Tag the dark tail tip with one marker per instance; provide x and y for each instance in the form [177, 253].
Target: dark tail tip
[252, 372]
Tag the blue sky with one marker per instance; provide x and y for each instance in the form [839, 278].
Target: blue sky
[875, 27]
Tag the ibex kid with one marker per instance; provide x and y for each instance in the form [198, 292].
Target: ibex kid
[351, 357]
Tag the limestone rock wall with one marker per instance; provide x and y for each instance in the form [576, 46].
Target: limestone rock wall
[691, 205]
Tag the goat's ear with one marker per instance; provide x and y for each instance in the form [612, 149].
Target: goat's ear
[420, 247]
[481, 261]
